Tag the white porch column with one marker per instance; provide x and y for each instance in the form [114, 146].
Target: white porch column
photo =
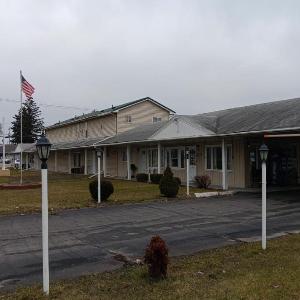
[104, 161]
[26, 161]
[158, 158]
[69, 161]
[128, 163]
[85, 161]
[224, 172]
[55, 161]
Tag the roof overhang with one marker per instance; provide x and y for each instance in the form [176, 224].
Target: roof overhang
[264, 133]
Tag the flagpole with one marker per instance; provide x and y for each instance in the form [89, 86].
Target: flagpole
[21, 157]
[3, 147]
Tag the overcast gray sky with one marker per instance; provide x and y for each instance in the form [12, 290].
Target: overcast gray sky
[193, 56]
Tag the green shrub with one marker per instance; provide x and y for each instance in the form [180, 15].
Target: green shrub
[142, 177]
[133, 168]
[155, 178]
[168, 185]
[168, 172]
[178, 180]
[203, 181]
[107, 189]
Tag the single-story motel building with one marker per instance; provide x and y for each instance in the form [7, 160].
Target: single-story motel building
[222, 144]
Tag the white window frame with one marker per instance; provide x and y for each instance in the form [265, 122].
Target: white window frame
[124, 155]
[212, 157]
[150, 158]
[179, 149]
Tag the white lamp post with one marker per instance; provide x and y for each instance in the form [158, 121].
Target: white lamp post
[99, 155]
[188, 172]
[263, 150]
[43, 149]
[3, 147]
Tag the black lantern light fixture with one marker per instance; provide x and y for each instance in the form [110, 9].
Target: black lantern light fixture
[43, 149]
[99, 152]
[263, 151]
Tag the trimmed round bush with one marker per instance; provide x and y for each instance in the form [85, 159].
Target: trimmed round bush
[155, 178]
[142, 177]
[169, 187]
[107, 189]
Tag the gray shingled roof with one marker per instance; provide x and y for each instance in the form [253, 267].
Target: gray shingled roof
[9, 148]
[137, 134]
[270, 116]
[99, 113]
[77, 144]
[276, 115]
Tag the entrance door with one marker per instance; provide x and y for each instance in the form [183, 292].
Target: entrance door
[193, 167]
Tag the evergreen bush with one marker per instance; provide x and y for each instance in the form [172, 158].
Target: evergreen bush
[142, 177]
[107, 189]
[155, 178]
[168, 185]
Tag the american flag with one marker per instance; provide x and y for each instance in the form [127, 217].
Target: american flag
[27, 88]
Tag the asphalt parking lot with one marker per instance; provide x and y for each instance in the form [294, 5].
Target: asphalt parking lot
[82, 241]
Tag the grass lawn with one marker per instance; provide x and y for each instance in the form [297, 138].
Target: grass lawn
[71, 191]
[237, 272]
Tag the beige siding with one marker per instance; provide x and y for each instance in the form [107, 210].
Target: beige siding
[112, 161]
[51, 161]
[63, 134]
[104, 126]
[141, 113]
[236, 177]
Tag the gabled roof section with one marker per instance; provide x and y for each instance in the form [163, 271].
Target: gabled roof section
[25, 147]
[137, 134]
[181, 127]
[107, 111]
[271, 116]
[178, 127]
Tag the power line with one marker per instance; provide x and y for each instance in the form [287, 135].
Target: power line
[49, 105]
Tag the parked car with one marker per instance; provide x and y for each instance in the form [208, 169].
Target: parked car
[17, 163]
[7, 161]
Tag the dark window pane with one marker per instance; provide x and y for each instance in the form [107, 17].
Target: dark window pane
[182, 158]
[229, 157]
[208, 158]
[174, 158]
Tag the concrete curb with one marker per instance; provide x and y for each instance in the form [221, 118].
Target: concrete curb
[214, 194]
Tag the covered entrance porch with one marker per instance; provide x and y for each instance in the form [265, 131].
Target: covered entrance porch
[283, 167]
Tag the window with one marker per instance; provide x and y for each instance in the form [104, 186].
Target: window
[156, 119]
[174, 158]
[214, 157]
[229, 157]
[182, 158]
[76, 160]
[124, 155]
[152, 158]
[128, 119]
[217, 158]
